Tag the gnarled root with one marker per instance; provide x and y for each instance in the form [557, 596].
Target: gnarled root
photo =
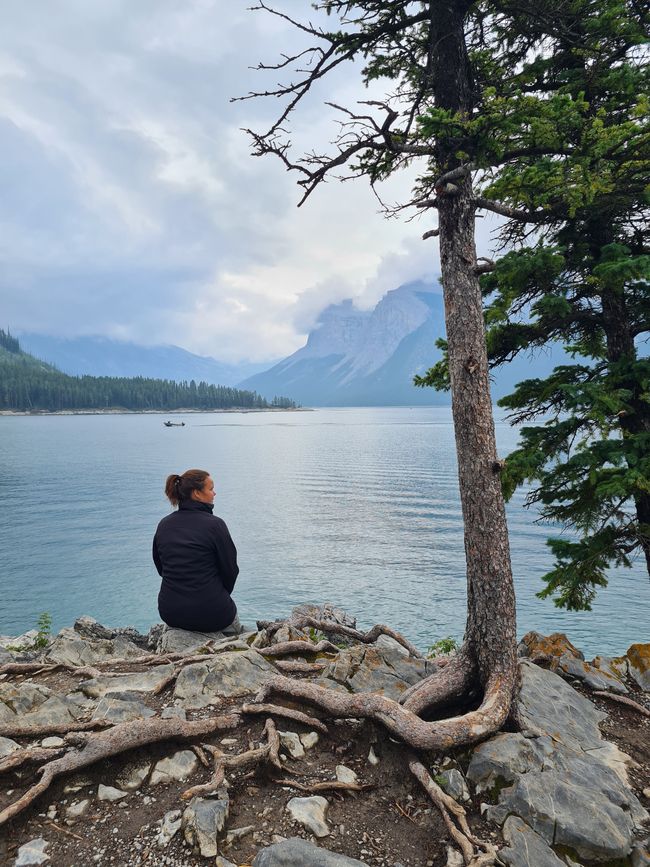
[623, 699]
[286, 647]
[457, 826]
[269, 752]
[118, 739]
[14, 730]
[447, 684]
[287, 712]
[401, 722]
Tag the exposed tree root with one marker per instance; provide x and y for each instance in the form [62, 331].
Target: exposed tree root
[447, 684]
[401, 722]
[458, 828]
[268, 753]
[31, 754]
[287, 647]
[118, 739]
[13, 730]
[623, 699]
[326, 786]
[288, 712]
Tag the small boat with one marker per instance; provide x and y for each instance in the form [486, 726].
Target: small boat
[174, 423]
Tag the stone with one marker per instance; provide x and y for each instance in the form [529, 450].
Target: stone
[370, 668]
[142, 681]
[550, 706]
[32, 853]
[223, 862]
[69, 647]
[7, 746]
[311, 813]
[525, 847]
[88, 627]
[170, 824]
[177, 767]
[132, 776]
[110, 793]
[534, 645]
[291, 742]
[504, 757]
[591, 676]
[638, 660]
[230, 674]
[52, 742]
[453, 783]
[326, 611]
[454, 858]
[372, 757]
[21, 642]
[116, 709]
[309, 740]
[171, 640]
[75, 810]
[27, 704]
[173, 713]
[386, 641]
[203, 820]
[640, 856]
[237, 833]
[296, 852]
[345, 775]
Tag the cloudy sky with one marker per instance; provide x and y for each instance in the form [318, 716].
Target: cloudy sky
[130, 205]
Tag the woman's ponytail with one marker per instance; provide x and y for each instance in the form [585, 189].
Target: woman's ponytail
[178, 488]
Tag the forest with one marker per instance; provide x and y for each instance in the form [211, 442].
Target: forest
[30, 385]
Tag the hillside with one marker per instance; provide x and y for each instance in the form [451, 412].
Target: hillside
[30, 385]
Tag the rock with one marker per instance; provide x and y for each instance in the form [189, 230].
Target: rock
[548, 705]
[27, 704]
[536, 646]
[453, 783]
[76, 810]
[372, 757]
[21, 642]
[309, 740]
[291, 742]
[504, 757]
[153, 636]
[88, 627]
[223, 862]
[237, 833]
[142, 681]
[203, 820]
[454, 858]
[169, 825]
[345, 775]
[638, 660]
[133, 776]
[32, 853]
[118, 709]
[594, 678]
[110, 793]
[173, 712]
[640, 856]
[7, 746]
[370, 668]
[296, 852]
[230, 674]
[53, 741]
[172, 640]
[177, 767]
[326, 611]
[525, 847]
[311, 813]
[385, 641]
[69, 647]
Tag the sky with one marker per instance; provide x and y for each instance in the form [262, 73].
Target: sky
[130, 205]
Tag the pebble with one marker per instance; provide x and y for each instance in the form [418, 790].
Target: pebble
[372, 757]
[52, 742]
[110, 793]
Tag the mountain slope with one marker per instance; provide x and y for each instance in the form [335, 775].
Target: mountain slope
[101, 356]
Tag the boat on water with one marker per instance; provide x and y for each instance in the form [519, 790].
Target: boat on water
[174, 423]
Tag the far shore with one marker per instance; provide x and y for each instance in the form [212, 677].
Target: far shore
[45, 412]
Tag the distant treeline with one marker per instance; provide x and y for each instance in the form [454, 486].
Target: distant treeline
[29, 384]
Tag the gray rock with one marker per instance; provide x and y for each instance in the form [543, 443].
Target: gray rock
[21, 642]
[291, 742]
[549, 706]
[638, 663]
[173, 713]
[594, 678]
[133, 776]
[296, 852]
[309, 740]
[75, 810]
[169, 825]
[153, 636]
[505, 757]
[326, 611]
[311, 813]
[88, 627]
[454, 858]
[177, 767]
[230, 674]
[203, 820]
[110, 793]
[52, 742]
[143, 681]
[223, 862]
[119, 710]
[525, 847]
[26, 704]
[172, 640]
[345, 775]
[369, 668]
[453, 783]
[389, 643]
[5, 655]
[32, 853]
[641, 854]
[7, 746]
[70, 648]
[372, 757]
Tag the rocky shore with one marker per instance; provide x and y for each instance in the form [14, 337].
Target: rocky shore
[567, 785]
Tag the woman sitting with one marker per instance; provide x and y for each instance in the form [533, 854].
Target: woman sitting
[196, 559]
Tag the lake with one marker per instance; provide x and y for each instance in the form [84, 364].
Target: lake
[358, 507]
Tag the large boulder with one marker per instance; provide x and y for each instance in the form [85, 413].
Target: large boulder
[27, 704]
[372, 668]
[638, 660]
[151, 680]
[229, 674]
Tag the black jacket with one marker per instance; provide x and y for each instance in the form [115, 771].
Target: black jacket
[197, 560]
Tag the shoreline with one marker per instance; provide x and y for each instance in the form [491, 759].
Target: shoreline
[45, 412]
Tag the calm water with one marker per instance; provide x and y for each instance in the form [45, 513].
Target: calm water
[354, 506]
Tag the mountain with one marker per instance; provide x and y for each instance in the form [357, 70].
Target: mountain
[369, 358]
[101, 356]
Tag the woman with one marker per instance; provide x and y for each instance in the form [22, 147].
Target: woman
[196, 559]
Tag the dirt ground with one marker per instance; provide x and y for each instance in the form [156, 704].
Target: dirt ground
[392, 822]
